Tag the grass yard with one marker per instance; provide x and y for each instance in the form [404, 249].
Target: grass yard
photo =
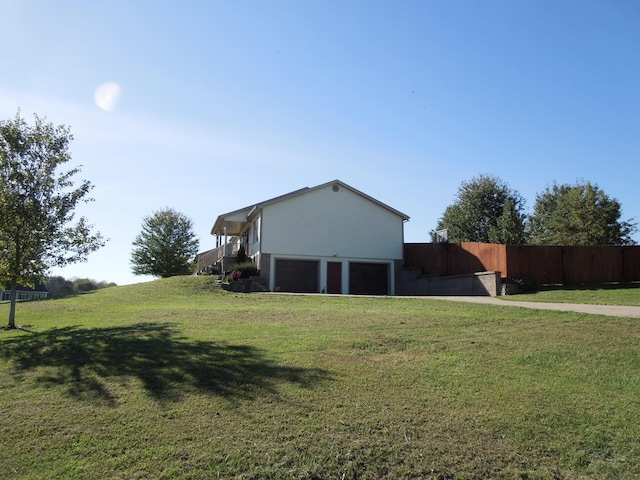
[175, 379]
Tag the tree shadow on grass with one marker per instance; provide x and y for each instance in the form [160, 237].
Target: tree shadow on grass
[167, 365]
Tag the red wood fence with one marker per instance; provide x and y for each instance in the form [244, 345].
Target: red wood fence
[543, 264]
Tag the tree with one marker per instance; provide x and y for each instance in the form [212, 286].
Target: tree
[166, 246]
[580, 214]
[37, 204]
[81, 285]
[486, 209]
[59, 287]
[510, 226]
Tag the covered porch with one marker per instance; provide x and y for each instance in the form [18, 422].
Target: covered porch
[217, 260]
[231, 231]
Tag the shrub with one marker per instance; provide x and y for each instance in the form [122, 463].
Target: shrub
[246, 269]
[241, 256]
[525, 285]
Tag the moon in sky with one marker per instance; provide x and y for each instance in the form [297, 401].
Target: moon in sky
[107, 95]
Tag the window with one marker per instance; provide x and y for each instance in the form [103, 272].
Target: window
[255, 228]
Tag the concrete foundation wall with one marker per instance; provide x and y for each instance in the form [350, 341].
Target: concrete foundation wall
[264, 266]
[409, 281]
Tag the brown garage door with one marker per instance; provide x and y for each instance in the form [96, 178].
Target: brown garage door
[368, 278]
[299, 276]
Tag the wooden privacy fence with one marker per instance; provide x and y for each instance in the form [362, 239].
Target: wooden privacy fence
[543, 264]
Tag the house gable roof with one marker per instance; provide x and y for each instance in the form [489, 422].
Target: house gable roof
[248, 211]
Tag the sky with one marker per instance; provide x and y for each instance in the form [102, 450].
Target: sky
[210, 106]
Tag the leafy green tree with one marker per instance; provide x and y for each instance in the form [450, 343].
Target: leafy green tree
[37, 204]
[510, 226]
[166, 246]
[580, 214]
[81, 285]
[59, 287]
[486, 209]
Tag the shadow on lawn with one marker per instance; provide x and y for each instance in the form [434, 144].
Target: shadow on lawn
[167, 365]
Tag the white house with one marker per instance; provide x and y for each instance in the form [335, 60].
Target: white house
[330, 238]
[25, 293]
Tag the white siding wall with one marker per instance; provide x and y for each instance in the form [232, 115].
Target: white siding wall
[324, 223]
[255, 235]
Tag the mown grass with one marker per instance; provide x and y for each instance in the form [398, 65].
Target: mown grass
[174, 379]
[604, 294]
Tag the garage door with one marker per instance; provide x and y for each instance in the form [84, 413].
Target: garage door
[368, 278]
[299, 276]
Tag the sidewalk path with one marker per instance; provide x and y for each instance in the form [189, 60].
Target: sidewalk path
[610, 310]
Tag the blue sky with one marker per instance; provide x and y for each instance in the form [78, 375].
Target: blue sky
[224, 103]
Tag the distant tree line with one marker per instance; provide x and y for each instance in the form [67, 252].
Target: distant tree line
[61, 287]
[488, 210]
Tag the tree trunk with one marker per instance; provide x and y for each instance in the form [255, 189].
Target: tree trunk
[12, 309]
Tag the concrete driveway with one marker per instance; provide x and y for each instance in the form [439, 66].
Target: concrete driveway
[610, 310]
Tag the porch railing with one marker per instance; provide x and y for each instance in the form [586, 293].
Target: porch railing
[215, 256]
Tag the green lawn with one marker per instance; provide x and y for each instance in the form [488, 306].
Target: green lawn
[176, 379]
[607, 294]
